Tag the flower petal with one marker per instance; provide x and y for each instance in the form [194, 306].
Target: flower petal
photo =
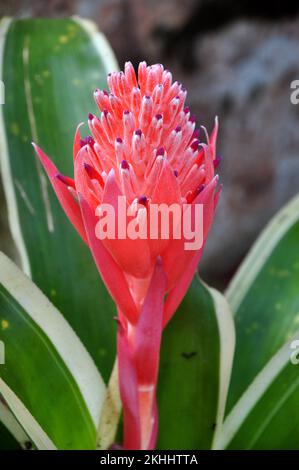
[111, 273]
[77, 141]
[67, 201]
[176, 258]
[177, 293]
[147, 352]
[128, 392]
[166, 192]
[132, 255]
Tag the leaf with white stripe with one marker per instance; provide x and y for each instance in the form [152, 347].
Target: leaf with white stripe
[46, 365]
[50, 68]
[264, 297]
[29, 424]
[267, 415]
[196, 358]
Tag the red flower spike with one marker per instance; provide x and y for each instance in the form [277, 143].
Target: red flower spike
[144, 147]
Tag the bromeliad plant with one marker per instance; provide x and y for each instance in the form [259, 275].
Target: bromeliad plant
[145, 149]
[144, 146]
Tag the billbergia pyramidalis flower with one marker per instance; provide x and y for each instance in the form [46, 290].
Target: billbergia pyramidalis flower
[144, 146]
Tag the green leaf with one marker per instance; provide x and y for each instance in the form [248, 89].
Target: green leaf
[263, 395]
[50, 69]
[264, 297]
[46, 366]
[266, 417]
[196, 358]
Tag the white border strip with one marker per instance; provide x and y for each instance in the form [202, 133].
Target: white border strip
[7, 180]
[64, 339]
[227, 338]
[111, 412]
[12, 425]
[31, 426]
[260, 251]
[253, 393]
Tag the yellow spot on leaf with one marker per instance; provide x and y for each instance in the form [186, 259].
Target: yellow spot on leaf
[53, 292]
[76, 82]
[280, 273]
[63, 39]
[4, 324]
[46, 73]
[14, 128]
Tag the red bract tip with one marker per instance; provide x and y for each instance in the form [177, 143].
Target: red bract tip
[92, 172]
[66, 180]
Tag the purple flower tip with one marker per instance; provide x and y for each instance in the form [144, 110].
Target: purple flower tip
[200, 188]
[90, 116]
[119, 140]
[217, 161]
[178, 129]
[195, 145]
[176, 173]
[142, 200]
[138, 132]
[88, 140]
[160, 152]
[158, 116]
[124, 165]
[196, 134]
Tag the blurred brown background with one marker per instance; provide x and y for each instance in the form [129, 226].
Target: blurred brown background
[237, 60]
